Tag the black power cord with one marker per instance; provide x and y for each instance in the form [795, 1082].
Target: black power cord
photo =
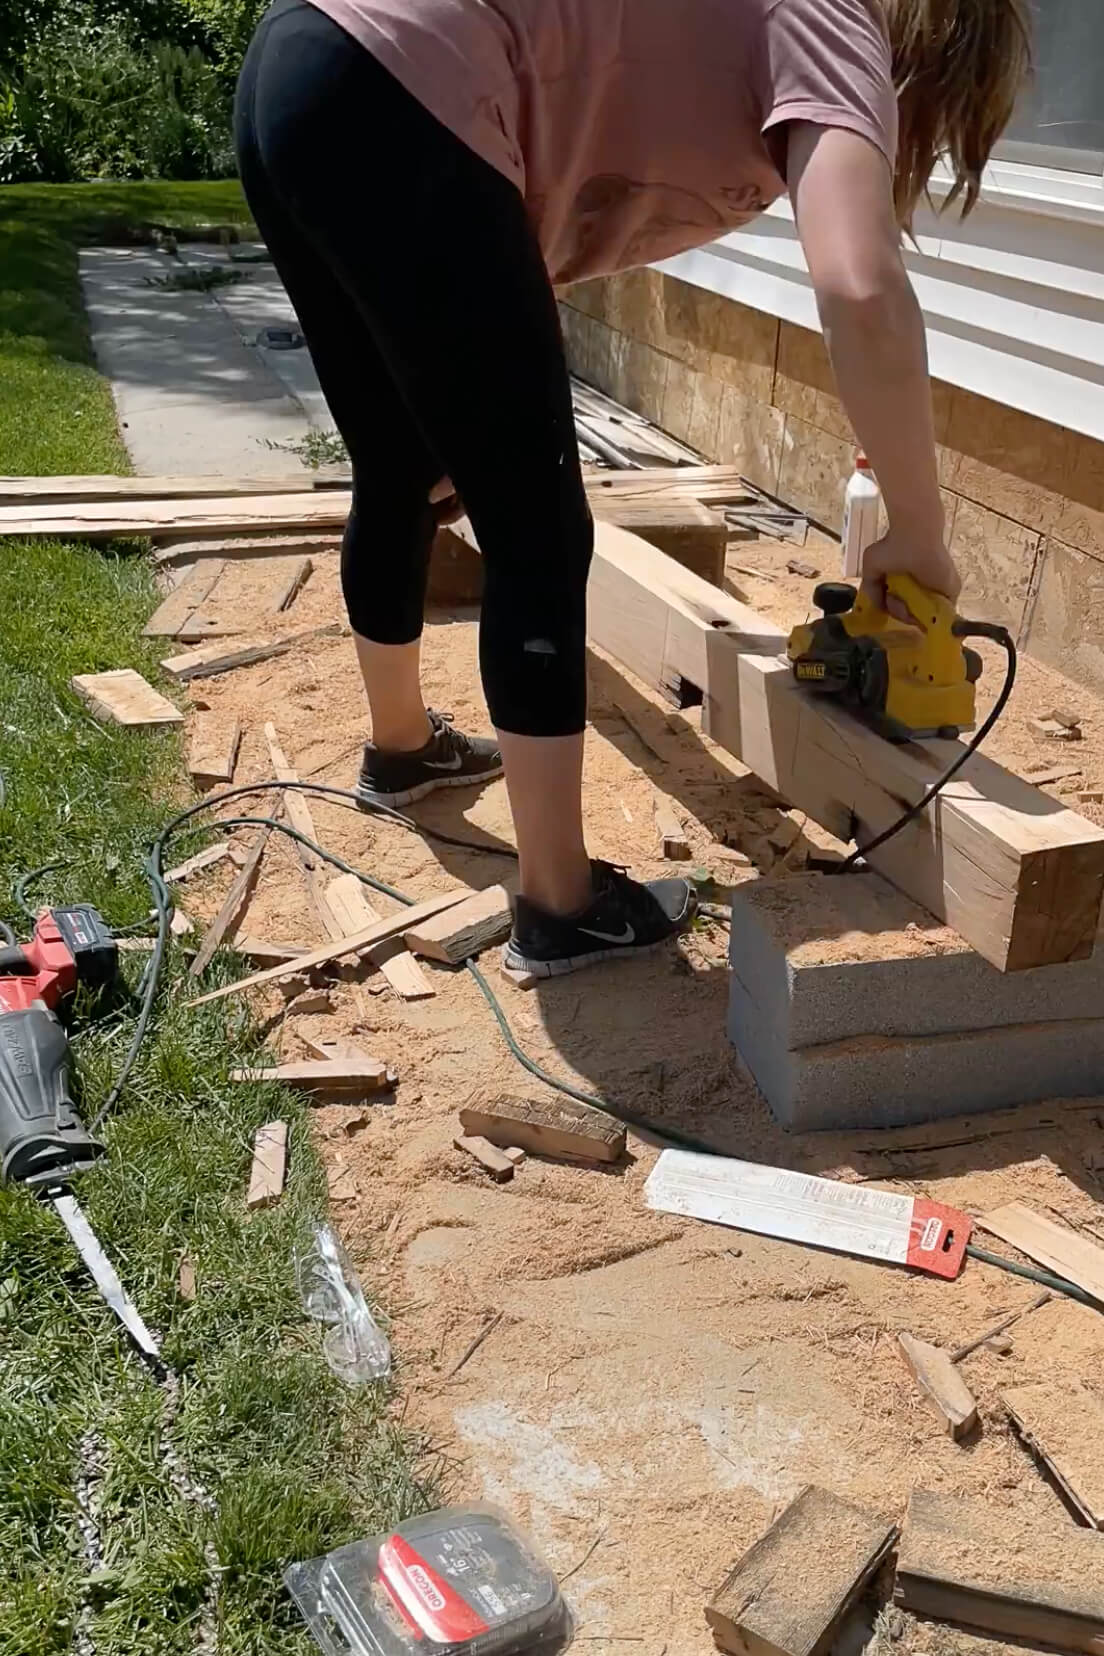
[962, 629]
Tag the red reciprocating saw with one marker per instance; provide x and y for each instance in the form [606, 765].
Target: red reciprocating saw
[42, 1140]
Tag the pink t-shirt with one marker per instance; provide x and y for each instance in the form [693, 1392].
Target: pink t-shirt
[634, 128]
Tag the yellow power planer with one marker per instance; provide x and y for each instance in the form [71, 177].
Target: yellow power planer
[907, 682]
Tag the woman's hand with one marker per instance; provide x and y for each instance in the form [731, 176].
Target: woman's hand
[927, 561]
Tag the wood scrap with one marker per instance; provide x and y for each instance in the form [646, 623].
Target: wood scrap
[211, 659]
[172, 550]
[301, 819]
[999, 1327]
[800, 566]
[186, 1280]
[341, 1185]
[942, 1384]
[184, 600]
[1059, 1250]
[180, 925]
[1063, 1423]
[1063, 716]
[1049, 774]
[351, 912]
[469, 1351]
[206, 858]
[269, 1170]
[124, 697]
[229, 915]
[557, 1127]
[1016, 873]
[463, 932]
[356, 944]
[773, 1604]
[1037, 1582]
[213, 749]
[264, 953]
[357, 1076]
[514, 1153]
[291, 575]
[1053, 730]
[500, 1167]
[672, 836]
[334, 1048]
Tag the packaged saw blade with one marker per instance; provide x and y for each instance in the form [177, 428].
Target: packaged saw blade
[459, 1582]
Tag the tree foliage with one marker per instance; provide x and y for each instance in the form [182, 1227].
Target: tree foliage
[119, 88]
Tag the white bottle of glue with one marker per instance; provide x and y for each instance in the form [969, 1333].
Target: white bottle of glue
[861, 507]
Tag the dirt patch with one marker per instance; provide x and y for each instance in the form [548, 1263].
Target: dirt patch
[655, 1390]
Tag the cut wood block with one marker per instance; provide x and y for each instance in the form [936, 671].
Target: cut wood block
[290, 576]
[1059, 1250]
[352, 911]
[169, 619]
[1040, 1582]
[1064, 1424]
[555, 1127]
[516, 1154]
[672, 835]
[788, 1594]
[124, 697]
[941, 1383]
[500, 1167]
[37, 491]
[1019, 875]
[195, 865]
[213, 750]
[216, 658]
[330, 1075]
[463, 932]
[172, 550]
[269, 1171]
[264, 953]
[356, 944]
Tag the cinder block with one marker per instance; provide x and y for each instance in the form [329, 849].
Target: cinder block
[853, 1008]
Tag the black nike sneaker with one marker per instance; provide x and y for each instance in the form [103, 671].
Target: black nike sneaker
[449, 760]
[624, 917]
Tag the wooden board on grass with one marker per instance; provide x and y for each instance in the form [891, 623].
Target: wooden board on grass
[269, 1170]
[1040, 1582]
[124, 697]
[1018, 875]
[1053, 1246]
[1063, 1423]
[788, 1594]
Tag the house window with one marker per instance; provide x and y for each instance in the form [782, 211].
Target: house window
[1060, 121]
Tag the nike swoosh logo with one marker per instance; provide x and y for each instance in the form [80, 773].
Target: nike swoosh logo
[452, 764]
[627, 936]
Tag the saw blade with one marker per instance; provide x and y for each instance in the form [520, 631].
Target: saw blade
[105, 1275]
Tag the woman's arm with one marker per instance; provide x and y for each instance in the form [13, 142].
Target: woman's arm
[842, 192]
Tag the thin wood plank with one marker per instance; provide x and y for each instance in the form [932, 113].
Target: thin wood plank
[329, 1075]
[124, 697]
[941, 1383]
[558, 1128]
[290, 580]
[38, 491]
[171, 616]
[211, 659]
[463, 932]
[1063, 1422]
[263, 953]
[302, 820]
[1016, 873]
[352, 912]
[500, 1167]
[672, 835]
[230, 914]
[1041, 1582]
[173, 550]
[213, 750]
[206, 858]
[269, 1170]
[788, 1594]
[1059, 1250]
[356, 944]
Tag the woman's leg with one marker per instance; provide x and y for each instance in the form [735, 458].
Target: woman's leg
[435, 249]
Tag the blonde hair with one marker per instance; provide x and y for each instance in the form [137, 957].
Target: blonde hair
[958, 66]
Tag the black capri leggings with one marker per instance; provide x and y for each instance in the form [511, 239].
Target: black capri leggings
[423, 296]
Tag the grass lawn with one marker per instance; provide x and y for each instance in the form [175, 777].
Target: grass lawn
[295, 1463]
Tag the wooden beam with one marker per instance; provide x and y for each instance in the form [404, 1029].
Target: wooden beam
[124, 697]
[775, 1602]
[352, 911]
[1040, 1582]
[462, 932]
[1015, 872]
[1070, 1256]
[378, 932]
